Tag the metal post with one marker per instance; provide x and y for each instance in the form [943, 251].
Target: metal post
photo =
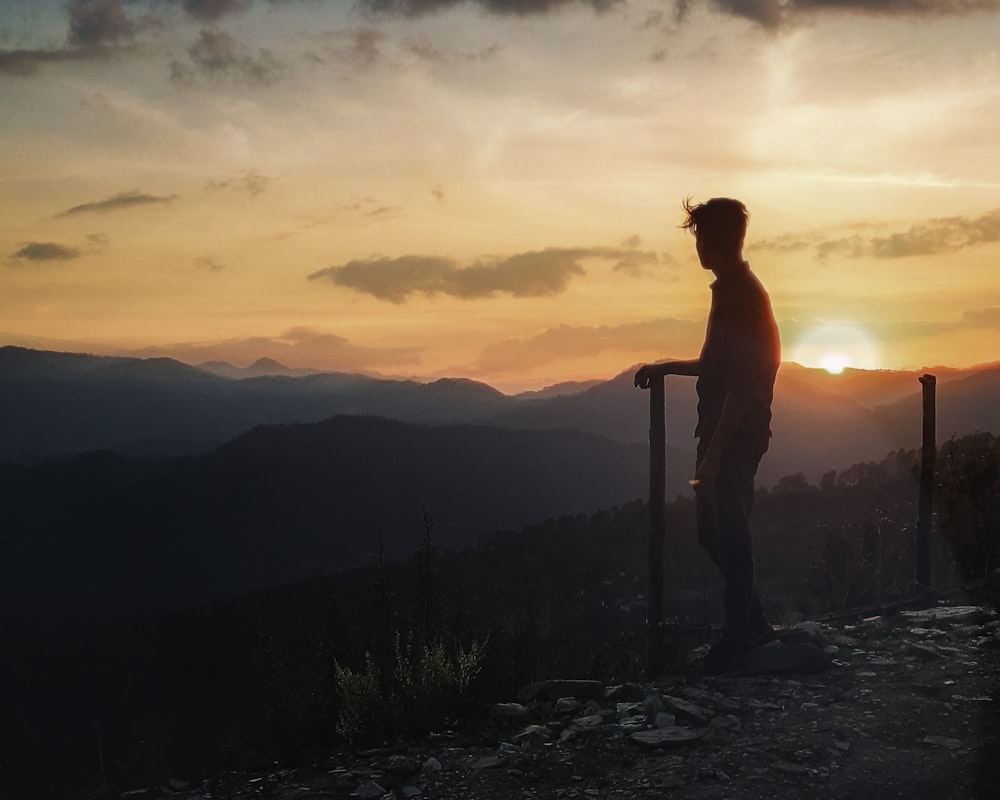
[657, 525]
[928, 455]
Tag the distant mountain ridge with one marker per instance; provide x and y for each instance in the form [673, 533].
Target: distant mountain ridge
[56, 404]
[101, 535]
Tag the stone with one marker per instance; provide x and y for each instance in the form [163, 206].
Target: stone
[431, 765]
[685, 710]
[949, 614]
[534, 734]
[400, 765]
[589, 721]
[709, 700]
[667, 737]
[489, 762]
[370, 790]
[566, 705]
[511, 712]
[942, 741]
[922, 650]
[665, 720]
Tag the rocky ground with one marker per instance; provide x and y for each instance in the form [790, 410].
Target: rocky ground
[907, 707]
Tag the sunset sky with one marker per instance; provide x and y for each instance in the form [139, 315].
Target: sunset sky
[492, 188]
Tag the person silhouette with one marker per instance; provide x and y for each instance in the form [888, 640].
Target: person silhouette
[736, 370]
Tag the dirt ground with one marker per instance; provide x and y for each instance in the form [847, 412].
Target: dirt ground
[908, 707]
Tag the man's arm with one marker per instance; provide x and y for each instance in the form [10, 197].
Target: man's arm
[649, 372]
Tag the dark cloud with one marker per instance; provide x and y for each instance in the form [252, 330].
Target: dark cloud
[567, 342]
[218, 53]
[413, 8]
[22, 63]
[773, 14]
[538, 273]
[249, 181]
[533, 274]
[356, 47]
[46, 251]
[211, 10]
[94, 22]
[117, 202]
[925, 238]
[983, 318]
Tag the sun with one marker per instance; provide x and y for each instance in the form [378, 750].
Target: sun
[835, 346]
[835, 363]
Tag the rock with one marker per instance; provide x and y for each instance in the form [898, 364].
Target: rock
[922, 650]
[510, 712]
[947, 614]
[370, 790]
[590, 721]
[489, 762]
[942, 741]
[431, 765]
[709, 700]
[409, 792]
[400, 766]
[626, 692]
[685, 710]
[667, 737]
[566, 705]
[665, 720]
[533, 734]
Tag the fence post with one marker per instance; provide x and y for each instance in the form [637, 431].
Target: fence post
[928, 455]
[657, 525]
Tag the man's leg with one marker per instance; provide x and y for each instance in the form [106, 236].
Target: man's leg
[724, 531]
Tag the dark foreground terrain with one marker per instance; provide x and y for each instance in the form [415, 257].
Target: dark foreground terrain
[909, 707]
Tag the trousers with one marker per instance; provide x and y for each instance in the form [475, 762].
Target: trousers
[723, 523]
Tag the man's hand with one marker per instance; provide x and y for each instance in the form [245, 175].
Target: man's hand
[647, 373]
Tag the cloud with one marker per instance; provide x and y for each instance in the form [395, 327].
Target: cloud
[217, 53]
[95, 30]
[983, 318]
[22, 63]
[925, 238]
[249, 181]
[94, 22]
[567, 342]
[52, 251]
[368, 207]
[117, 202]
[45, 251]
[356, 47]
[211, 10]
[297, 347]
[774, 14]
[523, 8]
[538, 273]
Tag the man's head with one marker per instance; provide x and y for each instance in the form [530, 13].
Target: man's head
[719, 226]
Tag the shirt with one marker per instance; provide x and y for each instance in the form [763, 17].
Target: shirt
[742, 351]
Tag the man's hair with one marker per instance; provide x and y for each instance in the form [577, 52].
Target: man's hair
[721, 221]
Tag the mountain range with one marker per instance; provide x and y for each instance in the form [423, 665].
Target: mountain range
[58, 404]
[144, 486]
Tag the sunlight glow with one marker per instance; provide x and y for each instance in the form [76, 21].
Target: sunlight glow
[835, 346]
[835, 363]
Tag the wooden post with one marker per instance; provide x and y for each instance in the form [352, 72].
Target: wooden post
[657, 525]
[928, 455]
